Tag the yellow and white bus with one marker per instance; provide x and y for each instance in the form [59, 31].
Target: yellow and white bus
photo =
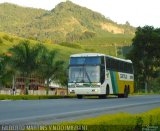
[100, 74]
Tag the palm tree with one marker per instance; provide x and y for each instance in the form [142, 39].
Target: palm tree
[37, 60]
[51, 69]
[24, 59]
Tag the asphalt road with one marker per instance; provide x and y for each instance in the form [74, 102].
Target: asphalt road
[58, 110]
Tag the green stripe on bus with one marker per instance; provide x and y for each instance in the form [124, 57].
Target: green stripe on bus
[114, 82]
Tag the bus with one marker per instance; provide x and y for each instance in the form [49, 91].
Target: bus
[100, 75]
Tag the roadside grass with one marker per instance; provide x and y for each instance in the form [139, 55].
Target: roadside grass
[118, 122]
[32, 97]
[143, 93]
[38, 97]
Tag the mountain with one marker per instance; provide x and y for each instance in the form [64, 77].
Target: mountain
[67, 22]
[14, 18]
[8, 41]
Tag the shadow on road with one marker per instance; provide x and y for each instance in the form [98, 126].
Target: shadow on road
[96, 97]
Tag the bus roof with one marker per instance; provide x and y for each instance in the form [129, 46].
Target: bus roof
[98, 54]
[87, 54]
[125, 60]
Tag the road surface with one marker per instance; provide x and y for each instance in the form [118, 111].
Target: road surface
[57, 110]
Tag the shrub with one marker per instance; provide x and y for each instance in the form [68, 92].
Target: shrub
[32, 97]
[71, 45]
[1, 41]
[121, 121]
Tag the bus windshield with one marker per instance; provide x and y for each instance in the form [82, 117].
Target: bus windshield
[84, 74]
[85, 60]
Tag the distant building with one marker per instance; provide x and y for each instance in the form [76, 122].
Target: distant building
[35, 83]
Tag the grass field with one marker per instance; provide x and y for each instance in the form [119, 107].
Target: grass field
[120, 122]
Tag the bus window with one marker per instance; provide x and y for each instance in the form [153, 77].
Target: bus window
[130, 68]
[108, 63]
[102, 76]
[102, 60]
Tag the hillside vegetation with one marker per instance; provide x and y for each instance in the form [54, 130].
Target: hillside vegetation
[69, 25]
[67, 19]
[7, 41]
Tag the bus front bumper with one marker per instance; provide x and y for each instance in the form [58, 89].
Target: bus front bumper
[85, 91]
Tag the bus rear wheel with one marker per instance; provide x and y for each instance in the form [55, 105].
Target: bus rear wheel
[79, 96]
[120, 95]
[125, 95]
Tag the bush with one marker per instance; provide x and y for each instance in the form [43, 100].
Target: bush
[6, 37]
[71, 45]
[121, 121]
[1, 41]
[32, 97]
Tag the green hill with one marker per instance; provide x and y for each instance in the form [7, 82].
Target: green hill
[66, 24]
[13, 18]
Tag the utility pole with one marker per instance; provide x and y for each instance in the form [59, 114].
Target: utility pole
[115, 49]
[13, 86]
[1, 68]
[122, 52]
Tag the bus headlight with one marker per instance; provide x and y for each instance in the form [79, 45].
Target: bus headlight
[96, 85]
[71, 85]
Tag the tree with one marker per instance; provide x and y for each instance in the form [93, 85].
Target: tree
[50, 68]
[6, 72]
[24, 59]
[145, 54]
[37, 60]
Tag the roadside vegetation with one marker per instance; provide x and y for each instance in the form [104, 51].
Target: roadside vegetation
[121, 121]
[145, 55]
[32, 97]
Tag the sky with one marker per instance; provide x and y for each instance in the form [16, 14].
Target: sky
[136, 12]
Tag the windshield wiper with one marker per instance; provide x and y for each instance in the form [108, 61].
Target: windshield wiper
[86, 72]
[79, 77]
[87, 75]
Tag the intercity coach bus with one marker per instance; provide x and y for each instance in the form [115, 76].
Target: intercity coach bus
[100, 75]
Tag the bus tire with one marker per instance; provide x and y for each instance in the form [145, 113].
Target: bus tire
[102, 96]
[79, 96]
[126, 93]
[107, 90]
[128, 89]
[120, 95]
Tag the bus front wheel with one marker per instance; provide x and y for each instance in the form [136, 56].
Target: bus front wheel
[102, 96]
[79, 96]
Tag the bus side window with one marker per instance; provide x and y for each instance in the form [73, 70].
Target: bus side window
[108, 63]
[112, 65]
[130, 68]
[125, 68]
[102, 76]
[102, 60]
[116, 65]
[121, 67]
